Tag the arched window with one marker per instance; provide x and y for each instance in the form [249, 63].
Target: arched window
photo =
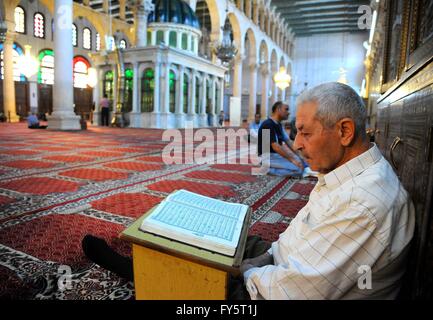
[20, 20]
[81, 66]
[39, 25]
[184, 41]
[129, 84]
[173, 39]
[122, 44]
[46, 67]
[74, 35]
[185, 93]
[149, 38]
[87, 39]
[159, 37]
[98, 42]
[197, 96]
[147, 88]
[172, 87]
[208, 96]
[17, 53]
[108, 85]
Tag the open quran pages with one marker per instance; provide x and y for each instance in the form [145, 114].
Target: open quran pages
[199, 221]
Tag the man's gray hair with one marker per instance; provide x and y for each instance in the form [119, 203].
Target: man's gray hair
[336, 101]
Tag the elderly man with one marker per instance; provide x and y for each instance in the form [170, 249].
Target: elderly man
[351, 240]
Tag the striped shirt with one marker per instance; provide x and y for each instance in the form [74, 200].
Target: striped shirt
[356, 227]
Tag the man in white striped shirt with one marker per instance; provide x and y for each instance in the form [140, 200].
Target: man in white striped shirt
[351, 240]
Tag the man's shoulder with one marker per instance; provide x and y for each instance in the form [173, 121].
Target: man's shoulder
[267, 124]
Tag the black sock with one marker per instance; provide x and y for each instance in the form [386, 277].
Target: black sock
[99, 251]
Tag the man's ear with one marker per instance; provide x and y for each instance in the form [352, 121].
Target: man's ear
[346, 131]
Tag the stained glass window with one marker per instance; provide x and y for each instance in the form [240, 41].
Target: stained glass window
[98, 42]
[108, 85]
[185, 93]
[129, 83]
[20, 20]
[39, 25]
[172, 87]
[46, 67]
[197, 96]
[87, 39]
[184, 41]
[74, 35]
[122, 44]
[17, 52]
[147, 88]
[173, 39]
[81, 67]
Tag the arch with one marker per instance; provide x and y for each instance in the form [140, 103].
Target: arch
[46, 66]
[263, 52]
[215, 19]
[274, 61]
[17, 52]
[81, 67]
[39, 25]
[87, 38]
[236, 30]
[186, 91]
[20, 19]
[147, 90]
[74, 35]
[253, 45]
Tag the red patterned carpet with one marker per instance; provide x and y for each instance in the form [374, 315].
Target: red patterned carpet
[56, 187]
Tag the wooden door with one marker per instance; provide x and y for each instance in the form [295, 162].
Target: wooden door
[83, 100]
[45, 98]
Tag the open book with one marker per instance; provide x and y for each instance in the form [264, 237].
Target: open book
[197, 220]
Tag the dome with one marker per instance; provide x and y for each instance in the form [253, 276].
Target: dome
[173, 11]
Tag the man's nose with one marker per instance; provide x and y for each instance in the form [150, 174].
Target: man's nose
[297, 142]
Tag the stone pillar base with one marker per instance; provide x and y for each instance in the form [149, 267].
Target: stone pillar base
[64, 122]
[203, 120]
[135, 120]
[12, 118]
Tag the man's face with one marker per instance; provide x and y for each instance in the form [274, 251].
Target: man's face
[283, 112]
[320, 146]
[257, 118]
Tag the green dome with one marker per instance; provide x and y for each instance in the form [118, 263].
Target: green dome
[173, 11]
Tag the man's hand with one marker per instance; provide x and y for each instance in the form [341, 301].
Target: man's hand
[259, 261]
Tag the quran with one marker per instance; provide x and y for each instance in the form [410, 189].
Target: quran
[197, 220]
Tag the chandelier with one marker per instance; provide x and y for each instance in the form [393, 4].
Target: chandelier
[282, 79]
[226, 51]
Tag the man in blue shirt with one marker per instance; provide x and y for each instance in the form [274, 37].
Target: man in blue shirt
[283, 159]
[254, 128]
[33, 122]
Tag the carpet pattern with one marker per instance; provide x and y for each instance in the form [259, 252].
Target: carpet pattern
[56, 187]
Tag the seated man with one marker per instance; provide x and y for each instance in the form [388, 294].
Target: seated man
[33, 122]
[283, 160]
[254, 128]
[351, 239]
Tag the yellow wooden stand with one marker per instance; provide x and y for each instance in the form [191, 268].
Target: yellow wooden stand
[169, 270]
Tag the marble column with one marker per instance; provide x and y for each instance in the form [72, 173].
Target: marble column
[63, 116]
[237, 77]
[143, 8]
[265, 89]
[135, 115]
[9, 101]
[253, 92]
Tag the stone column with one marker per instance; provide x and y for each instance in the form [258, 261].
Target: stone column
[143, 8]
[212, 102]
[237, 77]
[9, 101]
[63, 116]
[122, 14]
[179, 90]
[265, 89]
[135, 89]
[135, 115]
[253, 92]
[165, 85]
[191, 109]
[156, 92]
